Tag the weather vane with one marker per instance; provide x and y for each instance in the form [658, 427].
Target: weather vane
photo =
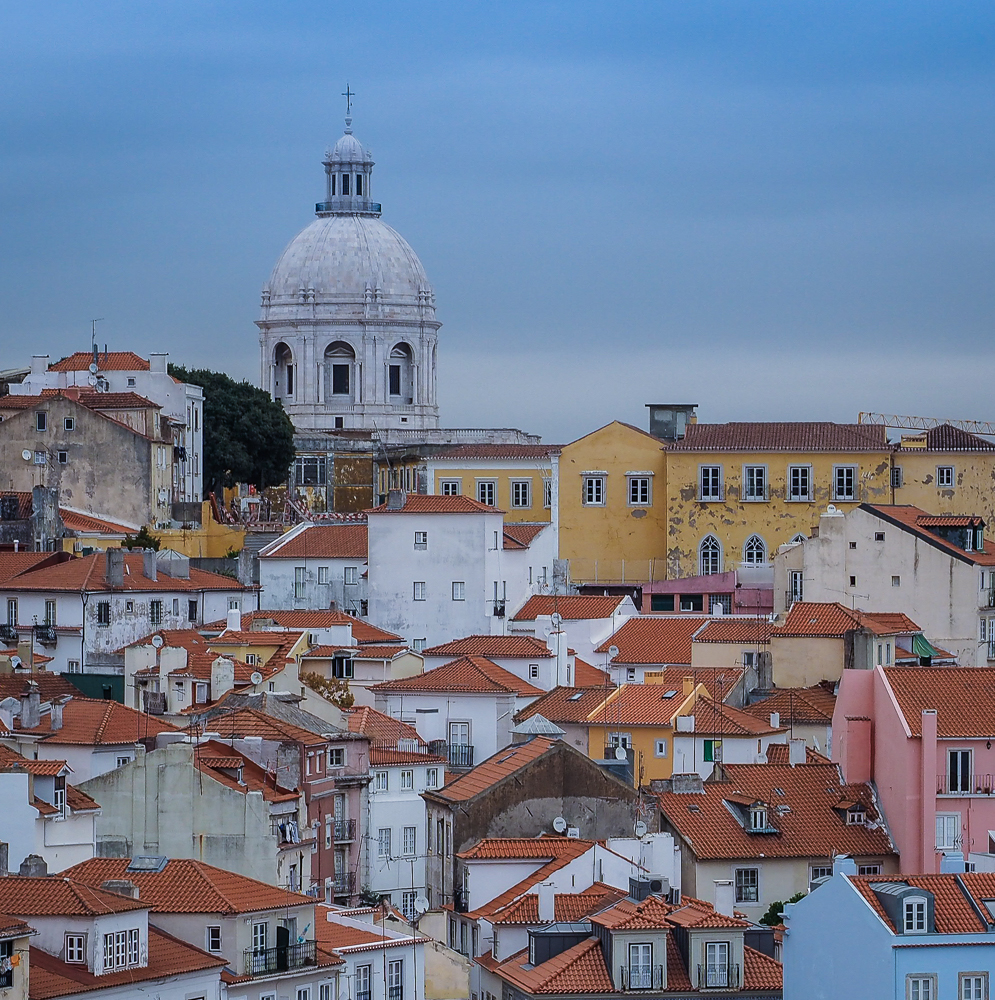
[348, 95]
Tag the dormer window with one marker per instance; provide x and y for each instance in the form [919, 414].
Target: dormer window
[915, 915]
[758, 818]
[856, 817]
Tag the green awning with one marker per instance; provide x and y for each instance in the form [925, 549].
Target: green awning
[921, 647]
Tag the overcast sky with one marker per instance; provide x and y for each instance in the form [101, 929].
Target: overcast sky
[775, 210]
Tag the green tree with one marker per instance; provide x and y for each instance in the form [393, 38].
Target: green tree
[333, 689]
[142, 539]
[248, 438]
[776, 909]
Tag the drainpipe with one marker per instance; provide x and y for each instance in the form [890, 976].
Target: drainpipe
[927, 793]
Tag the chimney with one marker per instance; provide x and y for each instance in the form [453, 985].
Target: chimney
[724, 898]
[796, 752]
[688, 685]
[25, 650]
[234, 621]
[122, 886]
[687, 784]
[222, 676]
[775, 720]
[150, 565]
[56, 721]
[34, 866]
[396, 499]
[30, 707]
[844, 865]
[39, 363]
[547, 902]
[115, 568]
[952, 861]
[157, 361]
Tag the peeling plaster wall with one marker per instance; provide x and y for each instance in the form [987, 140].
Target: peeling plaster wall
[974, 482]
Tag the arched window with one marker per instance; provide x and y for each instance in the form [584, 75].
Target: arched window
[399, 373]
[754, 551]
[339, 359]
[283, 376]
[709, 556]
[799, 537]
[345, 183]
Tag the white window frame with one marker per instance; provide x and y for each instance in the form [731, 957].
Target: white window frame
[323, 575]
[946, 476]
[793, 492]
[711, 484]
[300, 583]
[846, 483]
[620, 740]
[752, 491]
[964, 787]
[741, 889]
[75, 949]
[640, 956]
[717, 964]
[383, 842]
[920, 986]
[948, 831]
[594, 490]
[639, 489]
[868, 869]
[421, 541]
[432, 777]
[487, 488]
[751, 546]
[718, 556]
[419, 590]
[409, 840]
[350, 576]
[450, 487]
[915, 915]
[212, 931]
[547, 493]
[521, 493]
[381, 781]
[407, 779]
[972, 986]
[659, 748]
[459, 590]
[819, 871]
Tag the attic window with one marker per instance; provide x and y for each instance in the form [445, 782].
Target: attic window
[576, 697]
[669, 694]
[693, 807]
[780, 791]
[758, 818]
[856, 817]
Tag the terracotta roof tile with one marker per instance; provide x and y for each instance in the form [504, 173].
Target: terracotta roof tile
[96, 722]
[580, 969]
[13, 927]
[810, 817]
[496, 768]
[740, 630]
[813, 704]
[49, 685]
[949, 438]
[648, 705]
[833, 620]
[571, 607]
[380, 729]
[468, 674]
[321, 541]
[501, 646]
[247, 722]
[362, 631]
[523, 848]
[485, 451]
[565, 704]
[419, 503]
[760, 971]
[569, 907]
[189, 886]
[254, 777]
[766, 437]
[908, 518]
[104, 400]
[385, 757]
[11, 760]
[75, 520]
[521, 536]
[952, 913]
[60, 896]
[963, 697]
[13, 564]
[661, 639]
[79, 801]
[586, 675]
[112, 361]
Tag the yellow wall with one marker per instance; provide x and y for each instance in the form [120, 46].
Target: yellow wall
[776, 521]
[721, 654]
[973, 491]
[645, 762]
[468, 474]
[801, 661]
[615, 541]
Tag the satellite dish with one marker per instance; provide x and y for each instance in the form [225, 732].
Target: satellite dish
[93, 368]
[421, 905]
[157, 641]
[91, 379]
[256, 677]
[640, 829]
[620, 753]
[26, 455]
[559, 824]
[557, 619]
[612, 652]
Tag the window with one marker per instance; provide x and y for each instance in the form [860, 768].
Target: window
[192, 610]
[844, 482]
[214, 938]
[795, 586]
[300, 583]
[407, 780]
[395, 980]
[459, 590]
[639, 491]
[660, 748]
[630, 674]
[418, 644]
[12, 611]
[50, 613]
[309, 470]
[710, 482]
[947, 831]
[747, 882]
[973, 986]
[755, 482]
[325, 991]
[620, 740]
[879, 536]
[487, 492]
[533, 671]
[868, 869]
[709, 556]
[410, 840]
[73, 666]
[799, 482]
[103, 613]
[408, 903]
[63, 458]
[176, 606]
[692, 602]
[381, 781]
[131, 383]
[363, 981]
[755, 551]
[323, 575]
[340, 379]
[821, 871]
[421, 540]
[432, 778]
[383, 842]
[594, 491]
[944, 474]
[713, 751]
[717, 963]
[450, 487]
[640, 966]
[69, 423]
[958, 770]
[350, 576]
[915, 915]
[121, 949]
[547, 493]
[856, 817]
[75, 949]
[419, 590]
[661, 602]
[122, 761]
[41, 420]
[521, 493]
[853, 581]
[155, 612]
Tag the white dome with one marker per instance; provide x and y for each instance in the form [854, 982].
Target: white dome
[349, 150]
[340, 256]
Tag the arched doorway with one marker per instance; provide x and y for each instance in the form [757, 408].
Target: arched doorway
[283, 371]
[340, 372]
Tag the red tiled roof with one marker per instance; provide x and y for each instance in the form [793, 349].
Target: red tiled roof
[647, 705]
[523, 848]
[104, 400]
[833, 620]
[760, 971]
[467, 675]
[79, 801]
[96, 722]
[739, 630]
[11, 927]
[189, 886]
[112, 361]
[813, 704]
[11, 760]
[496, 768]
[586, 675]
[765, 437]
[949, 438]
[386, 757]
[60, 896]
[952, 912]
[254, 777]
[49, 685]
[246, 722]
[569, 907]
[566, 704]
[660, 640]
[331, 934]
[25, 505]
[570, 608]
[379, 652]
[419, 503]
[950, 521]
[522, 535]
[362, 631]
[813, 824]
[963, 697]
[322, 541]
[485, 451]
[75, 520]
[13, 564]
[167, 957]
[908, 518]
[580, 969]
[501, 646]
[380, 729]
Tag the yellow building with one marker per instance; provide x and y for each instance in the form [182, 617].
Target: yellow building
[520, 479]
[613, 506]
[737, 491]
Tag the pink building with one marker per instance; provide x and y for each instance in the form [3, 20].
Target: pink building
[924, 736]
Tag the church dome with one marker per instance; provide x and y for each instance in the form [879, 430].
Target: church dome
[349, 150]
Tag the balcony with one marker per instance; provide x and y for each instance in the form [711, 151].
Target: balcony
[973, 784]
[460, 754]
[461, 901]
[988, 599]
[991, 650]
[345, 830]
[339, 205]
[643, 977]
[790, 596]
[344, 884]
[266, 961]
[717, 977]
[395, 993]
[363, 995]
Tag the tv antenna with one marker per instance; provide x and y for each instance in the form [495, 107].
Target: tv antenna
[93, 331]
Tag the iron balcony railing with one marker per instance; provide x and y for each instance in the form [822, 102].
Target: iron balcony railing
[344, 884]
[756, 495]
[345, 829]
[990, 598]
[718, 976]
[991, 650]
[790, 596]
[338, 206]
[263, 961]
[965, 784]
[363, 995]
[460, 755]
[395, 993]
[643, 977]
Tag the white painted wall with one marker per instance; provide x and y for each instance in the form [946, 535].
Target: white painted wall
[689, 751]
[277, 576]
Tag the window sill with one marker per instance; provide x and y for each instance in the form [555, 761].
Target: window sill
[756, 499]
[798, 500]
[711, 499]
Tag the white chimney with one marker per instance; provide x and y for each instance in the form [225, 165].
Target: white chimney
[845, 864]
[39, 363]
[234, 623]
[157, 361]
[724, 897]
[547, 902]
[796, 752]
[775, 720]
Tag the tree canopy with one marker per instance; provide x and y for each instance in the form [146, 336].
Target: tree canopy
[248, 438]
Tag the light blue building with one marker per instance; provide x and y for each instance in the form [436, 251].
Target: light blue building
[894, 937]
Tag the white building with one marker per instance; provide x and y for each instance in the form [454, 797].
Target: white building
[315, 567]
[444, 566]
[123, 371]
[587, 620]
[347, 332]
[937, 569]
